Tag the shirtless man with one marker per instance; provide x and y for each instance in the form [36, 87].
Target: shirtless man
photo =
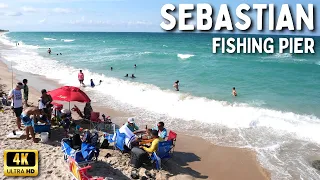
[234, 92]
[176, 85]
[49, 51]
[27, 121]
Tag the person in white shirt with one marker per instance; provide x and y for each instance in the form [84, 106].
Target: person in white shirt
[16, 96]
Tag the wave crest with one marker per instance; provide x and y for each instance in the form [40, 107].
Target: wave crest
[184, 56]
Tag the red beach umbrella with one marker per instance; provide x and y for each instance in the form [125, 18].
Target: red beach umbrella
[69, 93]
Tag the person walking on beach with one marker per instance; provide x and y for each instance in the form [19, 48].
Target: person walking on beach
[25, 92]
[49, 51]
[81, 78]
[16, 102]
[176, 85]
[234, 92]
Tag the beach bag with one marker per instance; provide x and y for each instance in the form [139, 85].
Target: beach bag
[76, 141]
[138, 157]
[104, 144]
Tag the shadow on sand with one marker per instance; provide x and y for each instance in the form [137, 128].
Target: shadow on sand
[176, 165]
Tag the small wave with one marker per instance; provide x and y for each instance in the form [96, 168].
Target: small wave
[318, 63]
[282, 55]
[67, 40]
[164, 45]
[185, 56]
[49, 39]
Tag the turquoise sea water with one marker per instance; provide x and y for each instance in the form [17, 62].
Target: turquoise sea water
[276, 113]
[284, 82]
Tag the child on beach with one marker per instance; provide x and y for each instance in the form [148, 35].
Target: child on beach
[92, 83]
[25, 92]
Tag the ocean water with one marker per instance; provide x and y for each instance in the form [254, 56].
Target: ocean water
[276, 113]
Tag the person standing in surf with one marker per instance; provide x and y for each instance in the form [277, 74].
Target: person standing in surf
[234, 92]
[176, 85]
[49, 51]
[81, 78]
[16, 103]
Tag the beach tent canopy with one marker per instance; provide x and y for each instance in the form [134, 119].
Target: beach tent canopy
[69, 93]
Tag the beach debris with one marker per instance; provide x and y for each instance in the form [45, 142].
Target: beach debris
[134, 174]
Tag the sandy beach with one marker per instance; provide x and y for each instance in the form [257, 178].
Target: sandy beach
[194, 157]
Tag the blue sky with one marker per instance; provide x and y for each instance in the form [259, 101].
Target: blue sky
[109, 15]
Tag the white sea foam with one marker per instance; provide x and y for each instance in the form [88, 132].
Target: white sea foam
[318, 63]
[49, 39]
[184, 56]
[67, 40]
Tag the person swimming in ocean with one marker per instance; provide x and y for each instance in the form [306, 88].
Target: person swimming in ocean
[234, 92]
[127, 75]
[135, 66]
[111, 68]
[176, 85]
[49, 51]
[132, 76]
[60, 53]
[92, 83]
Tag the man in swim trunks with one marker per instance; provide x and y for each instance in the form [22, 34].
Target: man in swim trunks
[49, 51]
[81, 78]
[27, 121]
[234, 92]
[16, 103]
[176, 85]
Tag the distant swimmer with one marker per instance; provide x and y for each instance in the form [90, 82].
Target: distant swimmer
[100, 82]
[132, 76]
[92, 83]
[60, 53]
[111, 68]
[49, 51]
[176, 85]
[57, 54]
[127, 75]
[135, 66]
[234, 92]
[81, 77]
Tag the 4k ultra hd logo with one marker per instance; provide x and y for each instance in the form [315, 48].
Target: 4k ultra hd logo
[21, 162]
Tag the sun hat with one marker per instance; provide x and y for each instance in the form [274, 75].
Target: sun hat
[131, 120]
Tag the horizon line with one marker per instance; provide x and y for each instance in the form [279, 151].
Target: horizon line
[169, 32]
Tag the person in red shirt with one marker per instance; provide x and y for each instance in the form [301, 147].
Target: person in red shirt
[81, 78]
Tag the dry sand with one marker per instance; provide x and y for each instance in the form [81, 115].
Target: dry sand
[194, 158]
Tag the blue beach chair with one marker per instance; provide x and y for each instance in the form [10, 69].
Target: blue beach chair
[89, 152]
[163, 153]
[119, 141]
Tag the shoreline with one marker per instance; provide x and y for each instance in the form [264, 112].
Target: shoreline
[208, 162]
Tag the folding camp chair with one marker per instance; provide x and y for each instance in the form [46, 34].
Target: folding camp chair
[173, 138]
[96, 122]
[163, 153]
[120, 141]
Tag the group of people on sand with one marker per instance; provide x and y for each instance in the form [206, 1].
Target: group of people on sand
[145, 139]
[26, 114]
